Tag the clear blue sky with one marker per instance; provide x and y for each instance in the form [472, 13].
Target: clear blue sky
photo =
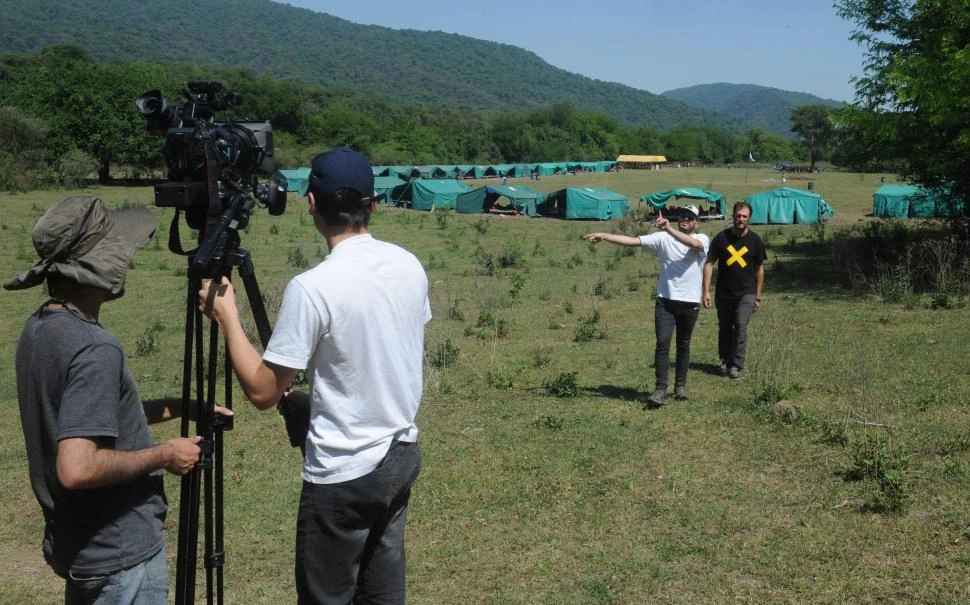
[652, 45]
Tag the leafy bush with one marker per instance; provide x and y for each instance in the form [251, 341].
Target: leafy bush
[145, 344]
[444, 355]
[502, 382]
[454, 311]
[563, 385]
[511, 257]
[295, 257]
[589, 329]
[877, 460]
[485, 261]
[549, 423]
[75, 166]
[516, 283]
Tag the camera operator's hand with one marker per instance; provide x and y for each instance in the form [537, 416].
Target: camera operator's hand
[182, 454]
[218, 301]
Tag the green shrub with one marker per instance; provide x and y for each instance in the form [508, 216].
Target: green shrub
[295, 257]
[511, 257]
[516, 283]
[501, 382]
[549, 423]
[444, 355]
[563, 385]
[878, 461]
[589, 329]
[454, 311]
[145, 344]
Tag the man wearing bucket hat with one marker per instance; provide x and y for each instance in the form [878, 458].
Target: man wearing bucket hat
[94, 466]
[681, 253]
[355, 323]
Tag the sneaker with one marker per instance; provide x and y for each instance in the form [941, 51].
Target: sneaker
[657, 398]
[734, 373]
[680, 393]
[724, 369]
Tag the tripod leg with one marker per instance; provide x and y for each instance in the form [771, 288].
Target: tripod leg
[187, 554]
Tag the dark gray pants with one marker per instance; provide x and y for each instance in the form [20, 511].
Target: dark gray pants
[350, 535]
[733, 315]
[670, 316]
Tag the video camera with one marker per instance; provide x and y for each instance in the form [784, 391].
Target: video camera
[212, 165]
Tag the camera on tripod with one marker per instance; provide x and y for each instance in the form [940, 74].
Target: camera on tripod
[212, 165]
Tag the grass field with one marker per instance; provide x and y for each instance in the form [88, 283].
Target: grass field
[544, 479]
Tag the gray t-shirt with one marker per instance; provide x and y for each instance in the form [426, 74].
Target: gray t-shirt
[73, 381]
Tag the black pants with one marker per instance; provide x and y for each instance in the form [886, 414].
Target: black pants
[350, 535]
[668, 316]
[733, 315]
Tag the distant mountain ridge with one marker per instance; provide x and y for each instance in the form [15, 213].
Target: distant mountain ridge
[321, 50]
[317, 49]
[769, 108]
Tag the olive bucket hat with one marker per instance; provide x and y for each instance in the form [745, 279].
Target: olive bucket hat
[80, 240]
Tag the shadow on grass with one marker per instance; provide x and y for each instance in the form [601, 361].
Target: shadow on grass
[708, 368]
[626, 394]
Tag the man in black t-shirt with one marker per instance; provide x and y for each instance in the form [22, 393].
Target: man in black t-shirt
[740, 255]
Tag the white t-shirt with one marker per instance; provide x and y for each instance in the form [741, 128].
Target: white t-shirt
[355, 322]
[681, 268]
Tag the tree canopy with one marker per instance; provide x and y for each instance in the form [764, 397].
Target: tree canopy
[68, 116]
[813, 125]
[913, 102]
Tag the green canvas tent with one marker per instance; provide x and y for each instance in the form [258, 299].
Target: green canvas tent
[383, 170]
[384, 187]
[586, 203]
[431, 194]
[518, 199]
[896, 200]
[550, 168]
[786, 206]
[713, 198]
[296, 180]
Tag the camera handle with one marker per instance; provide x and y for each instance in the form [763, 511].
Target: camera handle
[208, 474]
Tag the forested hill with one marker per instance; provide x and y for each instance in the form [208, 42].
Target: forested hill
[769, 108]
[317, 49]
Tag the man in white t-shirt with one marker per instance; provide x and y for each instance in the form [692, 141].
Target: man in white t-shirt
[355, 322]
[681, 252]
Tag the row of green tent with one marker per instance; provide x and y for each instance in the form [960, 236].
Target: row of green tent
[579, 203]
[296, 179]
[447, 193]
[783, 206]
[483, 171]
[393, 176]
[894, 200]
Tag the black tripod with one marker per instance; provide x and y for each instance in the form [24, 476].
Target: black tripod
[214, 259]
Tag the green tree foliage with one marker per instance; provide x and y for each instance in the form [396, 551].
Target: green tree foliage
[67, 117]
[639, 140]
[700, 144]
[913, 102]
[555, 133]
[766, 147]
[814, 125]
[87, 107]
[22, 140]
